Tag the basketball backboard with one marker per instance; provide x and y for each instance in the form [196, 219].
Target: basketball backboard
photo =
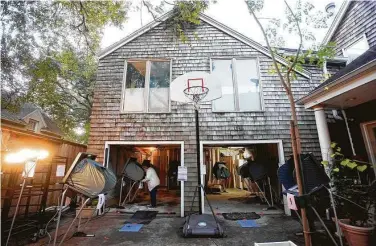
[193, 79]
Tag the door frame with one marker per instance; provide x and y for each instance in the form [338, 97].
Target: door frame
[281, 158]
[108, 144]
[367, 143]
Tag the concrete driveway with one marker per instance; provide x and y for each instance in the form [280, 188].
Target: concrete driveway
[166, 231]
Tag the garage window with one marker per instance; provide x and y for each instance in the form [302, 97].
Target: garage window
[146, 86]
[241, 90]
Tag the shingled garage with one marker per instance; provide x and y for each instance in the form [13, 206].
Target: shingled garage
[164, 156]
[115, 116]
[230, 191]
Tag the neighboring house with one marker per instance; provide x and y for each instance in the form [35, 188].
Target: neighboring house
[350, 91]
[31, 128]
[133, 72]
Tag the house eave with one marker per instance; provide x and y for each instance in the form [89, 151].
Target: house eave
[32, 134]
[309, 100]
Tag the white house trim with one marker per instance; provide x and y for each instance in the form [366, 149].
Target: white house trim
[346, 78]
[210, 21]
[336, 91]
[336, 21]
[281, 158]
[181, 143]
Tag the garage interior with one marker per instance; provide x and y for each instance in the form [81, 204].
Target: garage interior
[237, 194]
[165, 159]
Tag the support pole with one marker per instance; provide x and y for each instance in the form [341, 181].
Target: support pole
[71, 224]
[306, 230]
[323, 132]
[16, 211]
[198, 156]
[59, 216]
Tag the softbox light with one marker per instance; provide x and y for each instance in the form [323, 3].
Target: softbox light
[133, 170]
[88, 177]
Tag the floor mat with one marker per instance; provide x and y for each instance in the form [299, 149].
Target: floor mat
[131, 227]
[142, 217]
[248, 223]
[241, 216]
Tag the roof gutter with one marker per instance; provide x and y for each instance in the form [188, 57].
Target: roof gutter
[337, 82]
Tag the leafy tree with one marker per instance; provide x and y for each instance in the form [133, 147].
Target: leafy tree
[48, 52]
[295, 62]
[47, 55]
[63, 85]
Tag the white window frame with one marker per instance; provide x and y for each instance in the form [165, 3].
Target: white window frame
[35, 127]
[147, 86]
[363, 37]
[235, 83]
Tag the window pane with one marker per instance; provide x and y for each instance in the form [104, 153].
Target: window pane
[223, 70]
[248, 85]
[134, 99]
[159, 86]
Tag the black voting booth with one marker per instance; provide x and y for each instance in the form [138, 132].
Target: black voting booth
[315, 182]
[132, 174]
[88, 179]
[258, 173]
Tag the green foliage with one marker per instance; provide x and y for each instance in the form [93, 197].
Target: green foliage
[353, 195]
[186, 14]
[47, 55]
[63, 86]
[303, 14]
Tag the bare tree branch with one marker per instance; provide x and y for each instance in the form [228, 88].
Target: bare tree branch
[300, 43]
[150, 11]
[285, 86]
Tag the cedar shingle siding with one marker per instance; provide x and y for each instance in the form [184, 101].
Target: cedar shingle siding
[273, 123]
[359, 19]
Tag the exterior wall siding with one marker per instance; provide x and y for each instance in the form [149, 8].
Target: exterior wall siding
[359, 19]
[107, 123]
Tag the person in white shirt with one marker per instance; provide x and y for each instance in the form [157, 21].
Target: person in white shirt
[153, 182]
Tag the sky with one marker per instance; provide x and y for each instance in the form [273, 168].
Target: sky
[233, 13]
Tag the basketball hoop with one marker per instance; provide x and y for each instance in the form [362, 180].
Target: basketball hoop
[196, 93]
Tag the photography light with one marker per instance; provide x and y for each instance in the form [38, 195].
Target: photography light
[29, 157]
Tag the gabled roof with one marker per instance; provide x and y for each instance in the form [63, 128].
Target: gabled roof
[333, 27]
[25, 110]
[206, 19]
[361, 63]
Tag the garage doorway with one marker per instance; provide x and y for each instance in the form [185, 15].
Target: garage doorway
[164, 156]
[234, 193]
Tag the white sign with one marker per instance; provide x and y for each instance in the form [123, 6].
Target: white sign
[203, 169]
[60, 170]
[291, 202]
[29, 169]
[182, 173]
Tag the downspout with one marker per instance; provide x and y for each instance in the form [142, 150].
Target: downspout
[324, 69]
[348, 132]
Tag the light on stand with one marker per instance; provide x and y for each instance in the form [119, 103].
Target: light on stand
[29, 157]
